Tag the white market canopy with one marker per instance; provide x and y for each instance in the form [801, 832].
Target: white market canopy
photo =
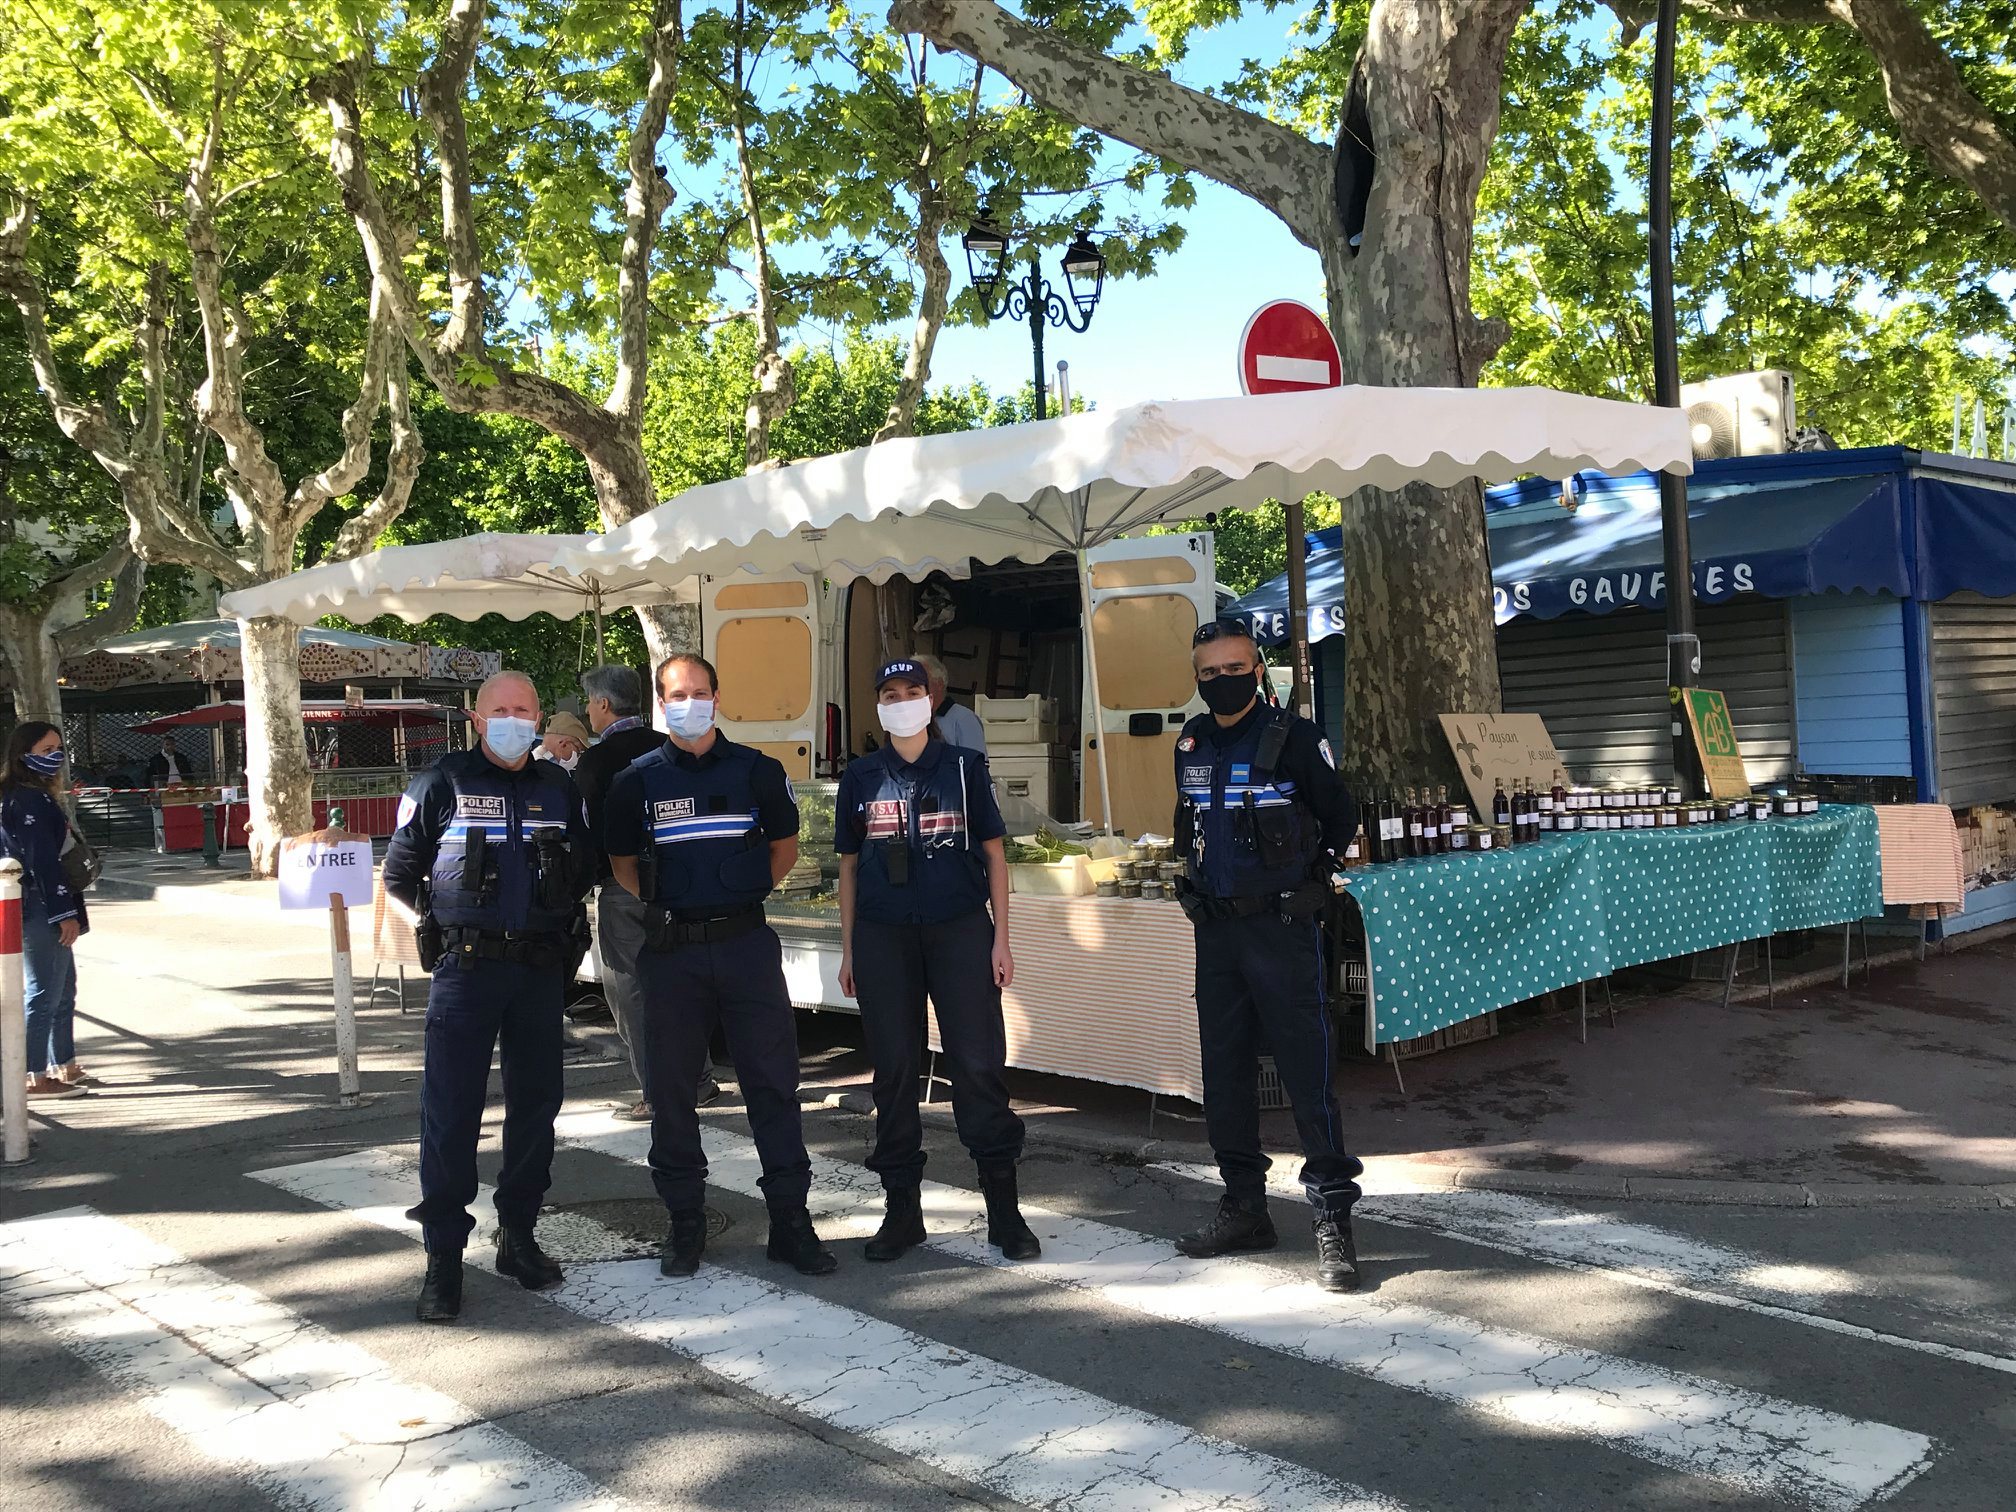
[1030, 491]
[511, 575]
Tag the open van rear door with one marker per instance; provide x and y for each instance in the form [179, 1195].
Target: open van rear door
[1148, 598]
[762, 635]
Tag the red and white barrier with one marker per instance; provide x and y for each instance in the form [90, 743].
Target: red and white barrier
[13, 1020]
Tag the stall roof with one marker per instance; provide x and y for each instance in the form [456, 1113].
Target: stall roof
[383, 713]
[1877, 520]
[223, 634]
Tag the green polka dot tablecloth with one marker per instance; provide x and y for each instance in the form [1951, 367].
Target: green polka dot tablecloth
[1451, 937]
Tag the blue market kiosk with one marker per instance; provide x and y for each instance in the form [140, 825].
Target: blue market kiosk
[1858, 608]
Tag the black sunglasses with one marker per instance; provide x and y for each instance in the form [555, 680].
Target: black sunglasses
[1218, 629]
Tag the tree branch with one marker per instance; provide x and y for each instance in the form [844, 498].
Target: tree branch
[1932, 104]
[91, 426]
[646, 198]
[441, 88]
[158, 530]
[220, 398]
[1237, 148]
[402, 467]
[128, 572]
[342, 475]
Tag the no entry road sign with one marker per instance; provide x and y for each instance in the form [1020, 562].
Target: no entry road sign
[1286, 349]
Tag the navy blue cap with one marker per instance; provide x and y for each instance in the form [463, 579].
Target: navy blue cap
[904, 670]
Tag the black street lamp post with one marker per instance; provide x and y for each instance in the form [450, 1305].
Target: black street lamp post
[1032, 297]
[1683, 645]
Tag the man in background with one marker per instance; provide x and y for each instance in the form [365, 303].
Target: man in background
[566, 738]
[957, 724]
[168, 767]
[614, 699]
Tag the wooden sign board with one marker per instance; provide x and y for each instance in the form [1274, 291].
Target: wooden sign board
[1496, 750]
[1715, 742]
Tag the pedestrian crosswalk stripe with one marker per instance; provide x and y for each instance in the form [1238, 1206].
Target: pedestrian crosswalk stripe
[1018, 1435]
[316, 1422]
[1635, 1254]
[1758, 1443]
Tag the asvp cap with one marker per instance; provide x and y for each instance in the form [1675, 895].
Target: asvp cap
[903, 669]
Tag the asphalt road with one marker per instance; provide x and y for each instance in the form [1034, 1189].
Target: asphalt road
[206, 1284]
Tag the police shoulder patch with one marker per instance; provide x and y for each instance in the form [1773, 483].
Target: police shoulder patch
[1187, 743]
[407, 809]
[1329, 756]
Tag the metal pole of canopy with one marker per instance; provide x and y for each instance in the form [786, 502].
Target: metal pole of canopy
[595, 604]
[1092, 681]
[1683, 646]
[1299, 697]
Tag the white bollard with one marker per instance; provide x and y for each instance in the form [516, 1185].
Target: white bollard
[346, 1003]
[13, 1020]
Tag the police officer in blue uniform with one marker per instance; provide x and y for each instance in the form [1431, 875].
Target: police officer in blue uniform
[492, 854]
[924, 913]
[701, 830]
[1259, 808]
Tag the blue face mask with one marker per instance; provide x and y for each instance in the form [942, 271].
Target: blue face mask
[689, 718]
[44, 764]
[510, 738]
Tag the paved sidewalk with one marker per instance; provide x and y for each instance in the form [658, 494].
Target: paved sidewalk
[1891, 1092]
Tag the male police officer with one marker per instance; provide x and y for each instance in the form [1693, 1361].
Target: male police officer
[702, 830]
[492, 853]
[614, 696]
[1258, 803]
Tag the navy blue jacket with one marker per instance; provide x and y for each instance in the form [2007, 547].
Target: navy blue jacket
[1249, 836]
[464, 792]
[941, 809]
[32, 829]
[707, 822]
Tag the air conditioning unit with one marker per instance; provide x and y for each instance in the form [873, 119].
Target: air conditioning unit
[1742, 415]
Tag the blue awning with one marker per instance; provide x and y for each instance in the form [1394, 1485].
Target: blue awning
[1780, 541]
[1966, 539]
[1786, 539]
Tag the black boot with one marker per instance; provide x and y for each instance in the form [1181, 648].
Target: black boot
[685, 1241]
[1005, 1229]
[902, 1225]
[519, 1257]
[441, 1293]
[1239, 1226]
[793, 1241]
[1336, 1252]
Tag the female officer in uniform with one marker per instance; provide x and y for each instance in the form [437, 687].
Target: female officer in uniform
[921, 863]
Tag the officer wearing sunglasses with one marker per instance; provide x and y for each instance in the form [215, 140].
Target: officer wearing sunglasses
[1259, 808]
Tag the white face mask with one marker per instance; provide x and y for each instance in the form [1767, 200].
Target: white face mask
[566, 763]
[909, 717]
[509, 738]
[689, 718]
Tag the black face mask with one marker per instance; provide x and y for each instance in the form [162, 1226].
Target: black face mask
[1228, 692]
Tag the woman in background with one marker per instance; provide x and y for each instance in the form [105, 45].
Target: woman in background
[35, 830]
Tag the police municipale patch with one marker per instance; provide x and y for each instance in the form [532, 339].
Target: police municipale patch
[1187, 743]
[407, 809]
[1329, 759]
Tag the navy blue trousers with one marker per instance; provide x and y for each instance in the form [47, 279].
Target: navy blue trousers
[472, 1007]
[1260, 984]
[737, 986]
[898, 966]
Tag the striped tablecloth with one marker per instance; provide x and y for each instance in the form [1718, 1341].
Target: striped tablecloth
[1921, 853]
[1105, 989]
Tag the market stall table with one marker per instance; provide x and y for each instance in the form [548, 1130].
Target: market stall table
[1452, 937]
[1105, 990]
